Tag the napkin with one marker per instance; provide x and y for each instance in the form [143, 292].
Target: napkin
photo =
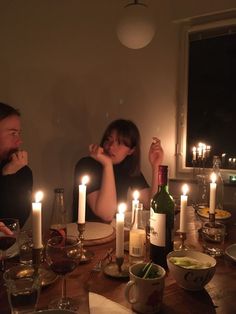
[101, 305]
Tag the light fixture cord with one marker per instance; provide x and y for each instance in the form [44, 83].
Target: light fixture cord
[136, 2]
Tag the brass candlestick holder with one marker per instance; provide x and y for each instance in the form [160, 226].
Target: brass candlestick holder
[119, 263]
[86, 255]
[212, 218]
[181, 245]
[117, 269]
[37, 256]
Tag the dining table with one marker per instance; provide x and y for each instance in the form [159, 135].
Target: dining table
[218, 296]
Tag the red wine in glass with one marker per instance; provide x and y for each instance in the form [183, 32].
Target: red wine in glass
[6, 242]
[9, 229]
[63, 267]
[63, 255]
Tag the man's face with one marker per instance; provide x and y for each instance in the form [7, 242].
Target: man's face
[10, 139]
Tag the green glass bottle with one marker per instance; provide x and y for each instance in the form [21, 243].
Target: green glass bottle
[161, 220]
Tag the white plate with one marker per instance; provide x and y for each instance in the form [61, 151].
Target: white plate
[219, 213]
[55, 312]
[93, 230]
[231, 251]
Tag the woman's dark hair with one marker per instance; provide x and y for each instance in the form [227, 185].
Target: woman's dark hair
[128, 134]
[7, 111]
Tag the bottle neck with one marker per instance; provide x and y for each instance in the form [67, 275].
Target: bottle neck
[162, 181]
[163, 188]
[137, 223]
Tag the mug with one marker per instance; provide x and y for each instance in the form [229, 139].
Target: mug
[145, 294]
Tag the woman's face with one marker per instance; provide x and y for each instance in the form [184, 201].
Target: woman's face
[116, 150]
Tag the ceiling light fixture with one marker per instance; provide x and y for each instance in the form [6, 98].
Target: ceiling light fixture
[136, 28]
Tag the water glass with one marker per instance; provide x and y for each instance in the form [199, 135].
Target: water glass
[23, 288]
[26, 247]
[213, 236]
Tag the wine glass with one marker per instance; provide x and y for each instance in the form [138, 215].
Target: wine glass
[63, 255]
[9, 230]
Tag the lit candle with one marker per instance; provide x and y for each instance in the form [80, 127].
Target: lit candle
[223, 158]
[204, 150]
[183, 209]
[120, 230]
[208, 149]
[199, 150]
[135, 202]
[37, 220]
[194, 153]
[212, 193]
[82, 200]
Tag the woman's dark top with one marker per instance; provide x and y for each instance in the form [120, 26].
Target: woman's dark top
[15, 194]
[92, 168]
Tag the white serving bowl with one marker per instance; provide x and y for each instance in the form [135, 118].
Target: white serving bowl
[192, 279]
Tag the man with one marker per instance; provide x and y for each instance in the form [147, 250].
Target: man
[16, 178]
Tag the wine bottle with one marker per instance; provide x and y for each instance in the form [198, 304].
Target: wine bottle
[161, 220]
[58, 219]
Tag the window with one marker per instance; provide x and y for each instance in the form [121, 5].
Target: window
[207, 107]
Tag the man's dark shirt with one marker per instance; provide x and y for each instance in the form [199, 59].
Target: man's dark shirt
[92, 168]
[15, 194]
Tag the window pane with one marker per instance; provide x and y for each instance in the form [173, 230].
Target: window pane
[212, 96]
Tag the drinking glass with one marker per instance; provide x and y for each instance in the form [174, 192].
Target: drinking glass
[63, 256]
[213, 235]
[26, 247]
[23, 288]
[9, 230]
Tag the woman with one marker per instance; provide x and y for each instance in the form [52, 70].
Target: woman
[113, 167]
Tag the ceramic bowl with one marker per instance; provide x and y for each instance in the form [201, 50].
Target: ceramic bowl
[192, 279]
[231, 251]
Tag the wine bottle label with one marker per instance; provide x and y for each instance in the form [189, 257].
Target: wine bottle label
[157, 228]
[137, 242]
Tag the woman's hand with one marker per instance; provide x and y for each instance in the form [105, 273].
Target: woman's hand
[17, 161]
[97, 152]
[156, 153]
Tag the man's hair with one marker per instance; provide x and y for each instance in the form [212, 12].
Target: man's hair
[7, 111]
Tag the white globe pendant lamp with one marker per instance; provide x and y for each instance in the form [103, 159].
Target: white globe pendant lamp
[136, 28]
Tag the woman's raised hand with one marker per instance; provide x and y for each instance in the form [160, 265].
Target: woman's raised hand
[97, 152]
[156, 153]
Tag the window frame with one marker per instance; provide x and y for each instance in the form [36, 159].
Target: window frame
[182, 96]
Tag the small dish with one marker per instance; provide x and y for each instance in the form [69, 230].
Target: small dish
[111, 270]
[231, 251]
[47, 276]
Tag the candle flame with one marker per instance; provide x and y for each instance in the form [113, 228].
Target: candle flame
[122, 208]
[85, 180]
[136, 195]
[185, 189]
[213, 177]
[38, 196]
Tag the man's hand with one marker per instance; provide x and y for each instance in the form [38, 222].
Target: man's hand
[4, 229]
[97, 152]
[17, 161]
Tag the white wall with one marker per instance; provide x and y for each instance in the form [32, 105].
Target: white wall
[62, 65]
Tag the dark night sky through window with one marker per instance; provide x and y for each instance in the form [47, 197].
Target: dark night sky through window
[212, 95]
